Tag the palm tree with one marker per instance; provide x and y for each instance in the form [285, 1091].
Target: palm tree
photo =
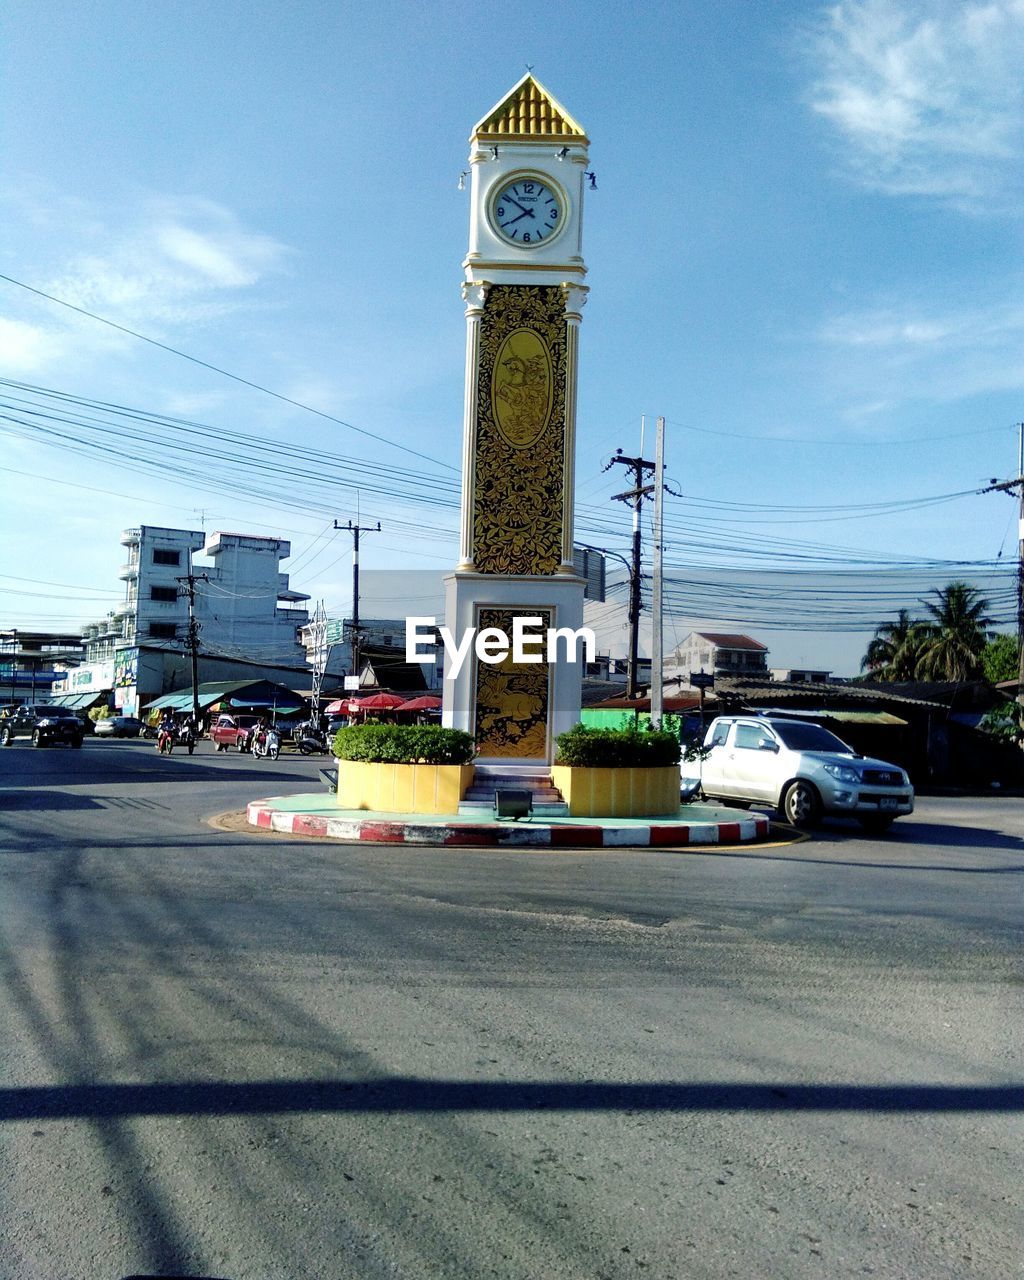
[957, 633]
[894, 652]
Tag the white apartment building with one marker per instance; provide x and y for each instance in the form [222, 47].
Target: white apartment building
[721, 653]
[245, 608]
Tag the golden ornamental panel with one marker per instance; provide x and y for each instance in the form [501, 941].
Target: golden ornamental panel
[511, 713]
[520, 431]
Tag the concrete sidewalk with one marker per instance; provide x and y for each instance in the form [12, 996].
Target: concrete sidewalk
[318, 814]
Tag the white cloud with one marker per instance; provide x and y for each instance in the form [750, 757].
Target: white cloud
[26, 348]
[165, 264]
[178, 261]
[927, 95]
[895, 353]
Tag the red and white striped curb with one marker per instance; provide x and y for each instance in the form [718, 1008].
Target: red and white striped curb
[433, 831]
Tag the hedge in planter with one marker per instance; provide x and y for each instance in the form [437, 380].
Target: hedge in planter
[582, 747]
[404, 744]
[618, 772]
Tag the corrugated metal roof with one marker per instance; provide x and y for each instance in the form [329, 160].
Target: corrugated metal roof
[844, 717]
[218, 691]
[731, 640]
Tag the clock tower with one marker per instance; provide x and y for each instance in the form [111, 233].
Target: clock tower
[524, 294]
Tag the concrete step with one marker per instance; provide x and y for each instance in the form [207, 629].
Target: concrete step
[485, 809]
[478, 792]
[546, 799]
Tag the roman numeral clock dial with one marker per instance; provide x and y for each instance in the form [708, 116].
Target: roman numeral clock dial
[527, 212]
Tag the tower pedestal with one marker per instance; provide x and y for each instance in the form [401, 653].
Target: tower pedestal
[514, 710]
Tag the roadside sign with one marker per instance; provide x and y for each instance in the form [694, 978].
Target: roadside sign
[352, 682]
[702, 680]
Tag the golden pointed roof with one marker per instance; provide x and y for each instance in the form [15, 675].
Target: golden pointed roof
[528, 111]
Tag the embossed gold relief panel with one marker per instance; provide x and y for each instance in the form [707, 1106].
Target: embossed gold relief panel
[512, 699]
[520, 464]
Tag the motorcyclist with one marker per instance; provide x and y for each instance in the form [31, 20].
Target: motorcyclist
[166, 730]
[259, 733]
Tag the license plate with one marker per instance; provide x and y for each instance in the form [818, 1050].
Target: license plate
[888, 802]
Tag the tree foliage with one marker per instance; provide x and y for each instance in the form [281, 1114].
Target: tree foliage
[958, 631]
[894, 652]
[948, 644]
[1001, 659]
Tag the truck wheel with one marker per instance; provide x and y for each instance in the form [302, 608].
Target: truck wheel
[801, 805]
[37, 740]
[5, 738]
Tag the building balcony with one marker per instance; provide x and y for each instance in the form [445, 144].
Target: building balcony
[128, 572]
[131, 537]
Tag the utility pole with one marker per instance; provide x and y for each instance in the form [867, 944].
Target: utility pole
[657, 642]
[190, 579]
[355, 530]
[1008, 486]
[641, 468]
[321, 653]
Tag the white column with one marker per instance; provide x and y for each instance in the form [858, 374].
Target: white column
[575, 300]
[474, 294]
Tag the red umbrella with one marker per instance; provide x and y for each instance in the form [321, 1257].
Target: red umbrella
[377, 702]
[426, 702]
[339, 707]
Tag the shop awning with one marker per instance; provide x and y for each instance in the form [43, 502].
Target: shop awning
[77, 701]
[232, 693]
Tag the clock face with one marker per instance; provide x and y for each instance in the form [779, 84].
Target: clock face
[528, 212]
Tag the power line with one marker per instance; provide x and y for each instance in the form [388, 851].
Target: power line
[163, 346]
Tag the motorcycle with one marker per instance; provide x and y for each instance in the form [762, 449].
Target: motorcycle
[310, 739]
[187, 737]
[266, 743]
[165, 741]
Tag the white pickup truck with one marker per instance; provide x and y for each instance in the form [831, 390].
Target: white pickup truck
[799, 768]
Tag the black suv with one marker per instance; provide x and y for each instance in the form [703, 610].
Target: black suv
[42, 723]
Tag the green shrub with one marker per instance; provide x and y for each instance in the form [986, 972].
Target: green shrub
[404, 744]
[1005, 722]
[617, 748]
[100, 713]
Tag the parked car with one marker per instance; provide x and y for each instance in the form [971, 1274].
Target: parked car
[800, 768]
[43, 723]
[119, 727]
[232, 731]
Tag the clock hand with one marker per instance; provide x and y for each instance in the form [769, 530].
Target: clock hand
[515, 202]
[526, 213]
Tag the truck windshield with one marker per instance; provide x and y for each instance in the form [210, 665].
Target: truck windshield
[810, 737]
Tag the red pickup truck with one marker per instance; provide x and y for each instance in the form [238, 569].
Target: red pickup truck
[232, 731]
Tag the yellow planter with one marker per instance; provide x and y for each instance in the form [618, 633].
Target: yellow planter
[618, 793]
[402, 788]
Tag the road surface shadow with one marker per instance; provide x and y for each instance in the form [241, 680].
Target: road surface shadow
[403, 1094]
[45, 799]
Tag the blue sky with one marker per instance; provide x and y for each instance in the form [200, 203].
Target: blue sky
[804, 251]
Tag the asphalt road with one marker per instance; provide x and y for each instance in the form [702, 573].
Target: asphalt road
[251, 1056]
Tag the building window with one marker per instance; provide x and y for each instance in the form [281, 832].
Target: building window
[163, 630]
[161, 556]
[168, 594]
